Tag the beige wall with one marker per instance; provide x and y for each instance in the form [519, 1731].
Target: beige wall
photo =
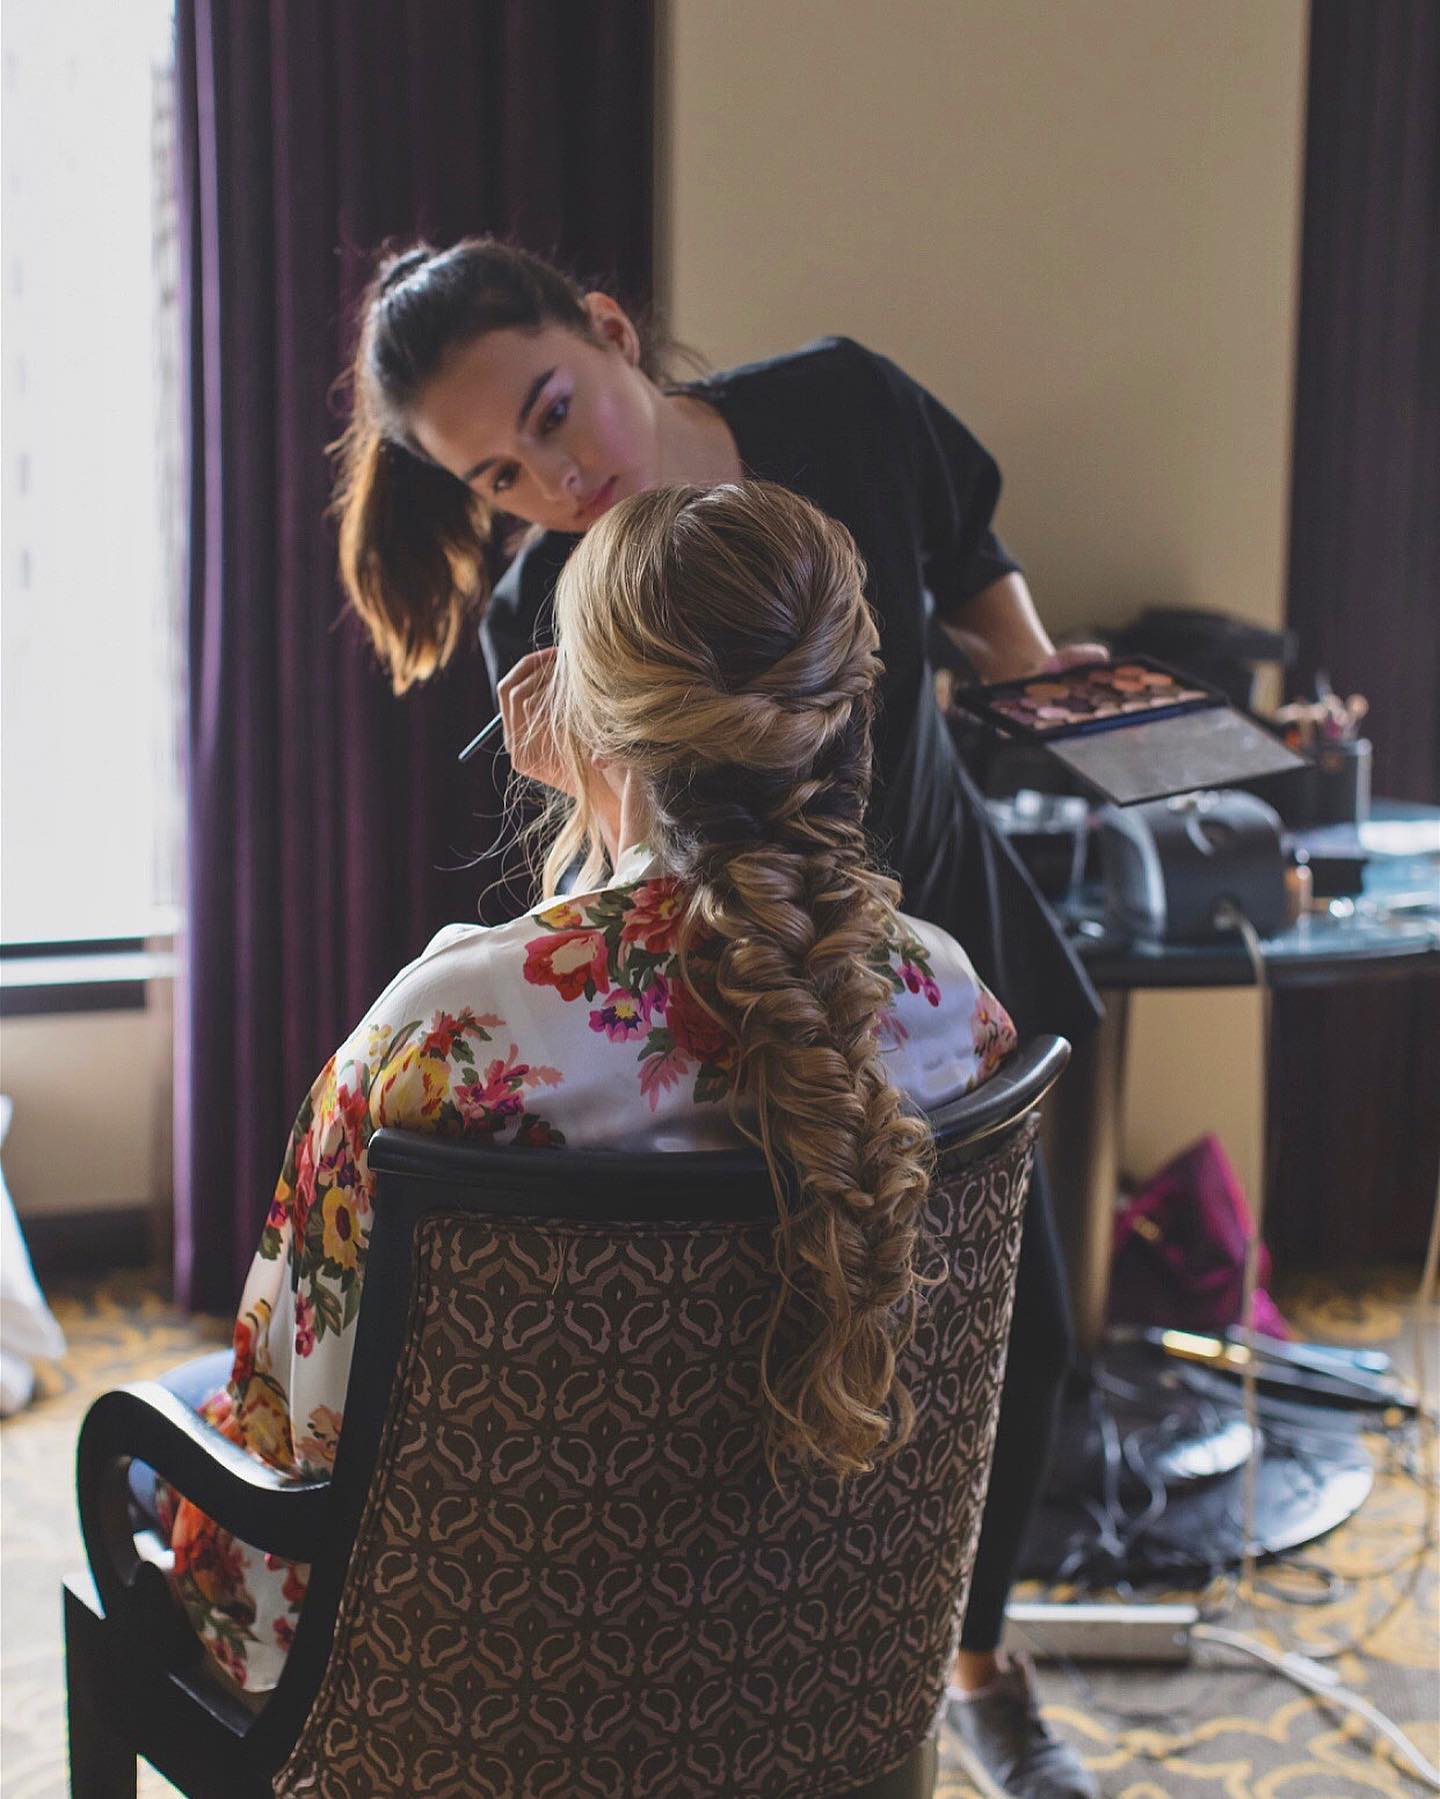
[1077, 221]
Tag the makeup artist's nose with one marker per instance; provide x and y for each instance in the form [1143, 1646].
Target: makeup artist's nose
[559, 477]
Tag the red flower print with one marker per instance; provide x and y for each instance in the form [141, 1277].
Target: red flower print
[354, 1109]
[243, 1343]
[208, 1558]
[535, 1133]
[652, 917]
[696, 1033]
[229, 1656]
[568, 961]
[284, 1633]
[304, 1325]
[304, 1183]
[446, 1029]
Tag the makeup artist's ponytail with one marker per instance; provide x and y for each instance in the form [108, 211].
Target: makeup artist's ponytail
[413, 538]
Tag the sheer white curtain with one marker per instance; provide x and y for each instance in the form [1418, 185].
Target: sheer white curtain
[89, 487]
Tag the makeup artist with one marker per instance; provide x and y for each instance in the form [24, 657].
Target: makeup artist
[485, 383]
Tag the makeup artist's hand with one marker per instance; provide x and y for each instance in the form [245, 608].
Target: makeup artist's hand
[1073, 655]
[522, 695]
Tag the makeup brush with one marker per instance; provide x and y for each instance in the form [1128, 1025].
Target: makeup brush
[481, 738]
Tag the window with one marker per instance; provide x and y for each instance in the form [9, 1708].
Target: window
[89, 682]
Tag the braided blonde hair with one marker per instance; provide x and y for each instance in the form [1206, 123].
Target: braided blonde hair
[718, 642]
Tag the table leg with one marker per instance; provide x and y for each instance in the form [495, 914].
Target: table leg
[1082, 1147]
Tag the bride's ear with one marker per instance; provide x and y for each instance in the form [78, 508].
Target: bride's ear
[612, 325]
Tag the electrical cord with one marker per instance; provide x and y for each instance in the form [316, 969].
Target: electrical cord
[1325, 1684]
[1119, 1531]
[1307, 1670]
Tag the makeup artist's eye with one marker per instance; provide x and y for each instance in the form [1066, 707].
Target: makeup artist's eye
[503, 479]
[557, 414]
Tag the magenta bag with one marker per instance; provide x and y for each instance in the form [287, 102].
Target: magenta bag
[1178, 1258]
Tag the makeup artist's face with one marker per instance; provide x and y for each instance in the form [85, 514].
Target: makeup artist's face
[547, 425]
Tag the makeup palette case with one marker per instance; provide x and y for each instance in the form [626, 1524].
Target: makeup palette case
[1169, 864]
[1134, 730]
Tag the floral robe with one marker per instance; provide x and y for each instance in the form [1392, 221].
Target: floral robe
[568, 1025]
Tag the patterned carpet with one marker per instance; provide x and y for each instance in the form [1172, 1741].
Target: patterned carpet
[1218, 1729]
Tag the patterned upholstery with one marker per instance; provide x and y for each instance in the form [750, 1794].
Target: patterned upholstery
[574, 1575]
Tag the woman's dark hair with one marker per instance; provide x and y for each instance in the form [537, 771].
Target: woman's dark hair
[413, 538]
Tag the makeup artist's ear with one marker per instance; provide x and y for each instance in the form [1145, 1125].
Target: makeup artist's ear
[611, 323]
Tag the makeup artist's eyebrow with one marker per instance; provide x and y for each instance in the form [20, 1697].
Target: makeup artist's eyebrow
[532, 394]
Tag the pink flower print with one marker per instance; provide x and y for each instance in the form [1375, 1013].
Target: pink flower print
[991, 1033]
[890, 1033]
[304, 1325]
[487, 1104]
[653, 916]
[624, 1016]
[659, 1073]
[920, 980]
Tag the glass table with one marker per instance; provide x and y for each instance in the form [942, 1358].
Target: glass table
[1389, 931]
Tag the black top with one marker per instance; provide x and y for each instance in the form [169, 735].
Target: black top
[855, 435]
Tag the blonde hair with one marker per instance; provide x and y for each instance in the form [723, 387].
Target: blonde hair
[718, 642]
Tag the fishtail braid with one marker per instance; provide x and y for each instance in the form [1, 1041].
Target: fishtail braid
[719, 643]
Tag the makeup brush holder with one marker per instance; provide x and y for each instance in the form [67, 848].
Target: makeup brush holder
[1339, 783]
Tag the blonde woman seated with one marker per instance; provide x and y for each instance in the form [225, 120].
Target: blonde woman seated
[741, 970]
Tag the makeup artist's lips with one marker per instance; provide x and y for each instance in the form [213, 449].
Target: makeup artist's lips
[600, 501]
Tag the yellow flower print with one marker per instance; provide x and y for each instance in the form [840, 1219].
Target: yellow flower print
[411, 1090]
[341, 1230]
[316, 1451]
[264, 1421]
[323, 1096]
[563, 917]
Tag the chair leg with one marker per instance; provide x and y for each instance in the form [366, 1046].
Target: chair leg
[102, 1763]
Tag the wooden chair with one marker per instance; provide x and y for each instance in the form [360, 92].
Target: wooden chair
[550, 1560]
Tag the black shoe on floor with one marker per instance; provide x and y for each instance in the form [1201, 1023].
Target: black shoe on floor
[1007, 1749]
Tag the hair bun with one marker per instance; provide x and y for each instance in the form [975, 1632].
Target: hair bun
[400, 268]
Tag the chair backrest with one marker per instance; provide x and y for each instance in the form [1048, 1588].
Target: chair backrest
[561, 1566]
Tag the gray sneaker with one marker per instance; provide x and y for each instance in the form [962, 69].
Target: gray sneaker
[1006, 1748]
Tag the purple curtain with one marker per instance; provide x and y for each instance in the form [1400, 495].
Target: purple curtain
[331, 831]
[1354, 1128]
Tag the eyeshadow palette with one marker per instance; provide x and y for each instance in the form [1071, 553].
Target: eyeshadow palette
[1097, 696]
[1132, 730]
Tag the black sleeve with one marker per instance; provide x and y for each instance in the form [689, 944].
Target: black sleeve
[957, 484]
[518, 618]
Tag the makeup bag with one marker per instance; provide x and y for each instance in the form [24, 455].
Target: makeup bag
[1178, 1258]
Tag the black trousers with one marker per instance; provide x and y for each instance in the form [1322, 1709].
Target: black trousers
[1041, 1351]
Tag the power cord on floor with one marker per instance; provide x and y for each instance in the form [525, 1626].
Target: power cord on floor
[1325, 1683]
[1307, 1670]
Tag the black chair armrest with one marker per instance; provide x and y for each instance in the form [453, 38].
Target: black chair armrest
[145, 1422]
[1015, 1089]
